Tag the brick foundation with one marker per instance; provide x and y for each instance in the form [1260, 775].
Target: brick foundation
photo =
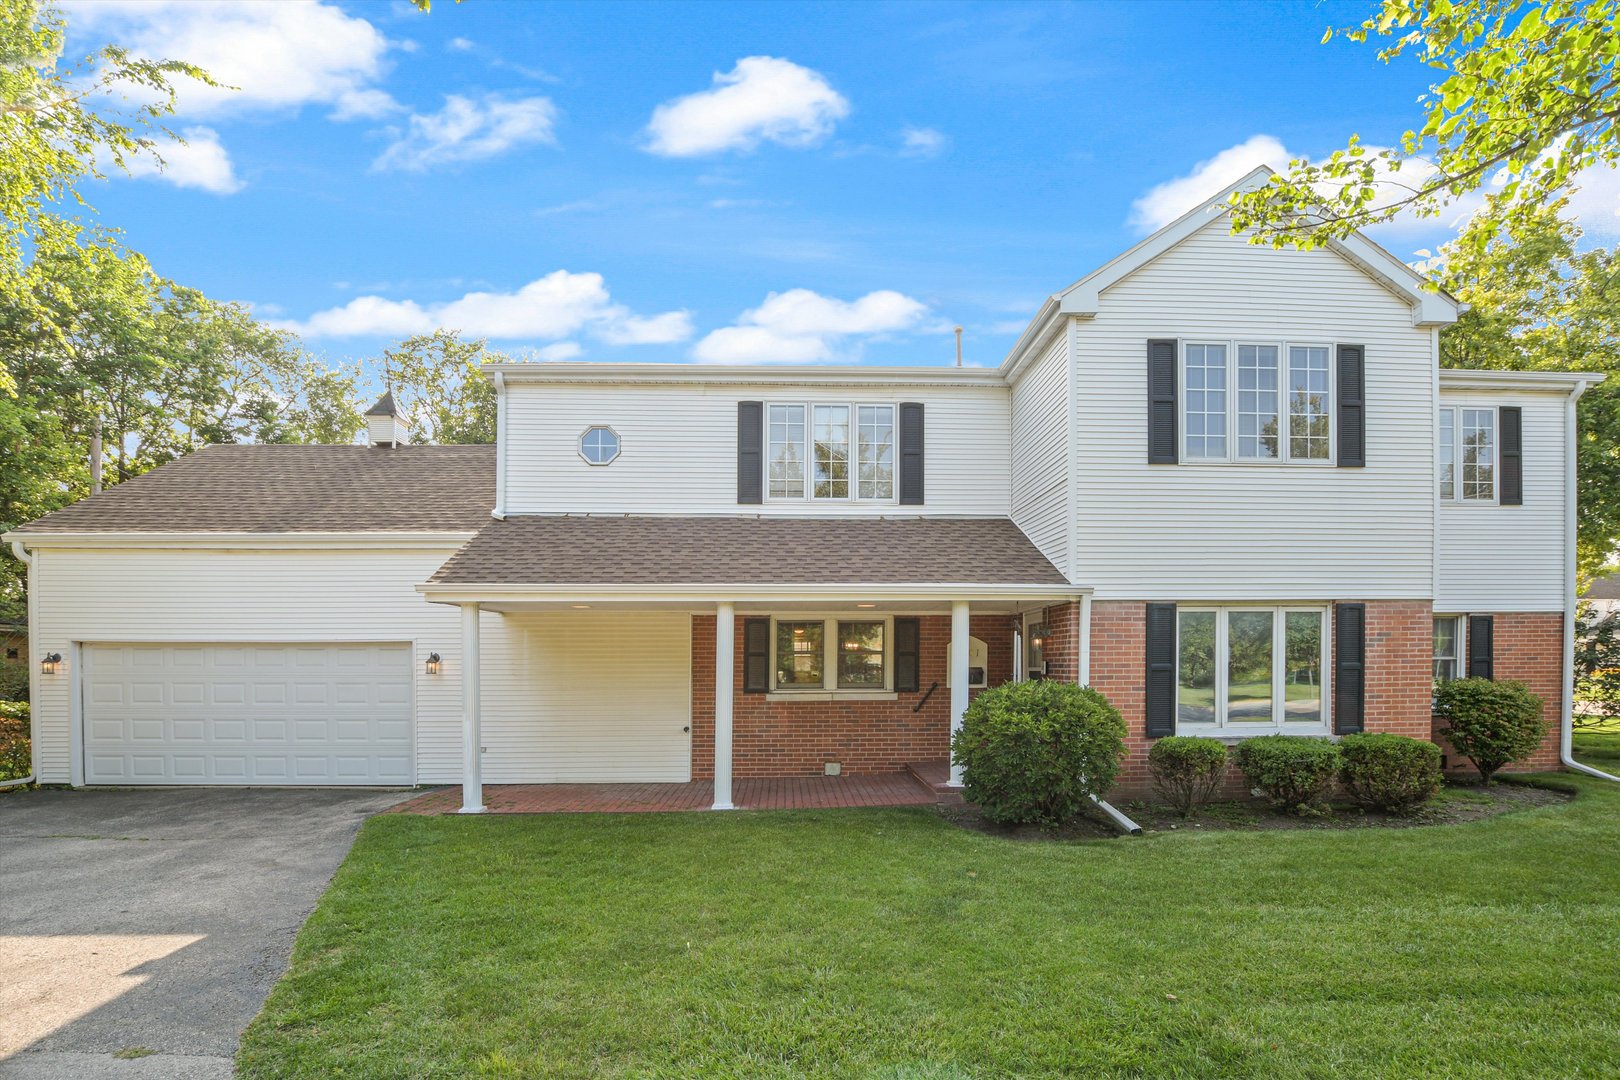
[798, 738]
[1528, 648]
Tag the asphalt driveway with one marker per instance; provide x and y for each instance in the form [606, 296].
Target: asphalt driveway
[141, 930]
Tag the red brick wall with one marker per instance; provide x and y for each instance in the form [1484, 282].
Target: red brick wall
[798, 738]
[1529, 648]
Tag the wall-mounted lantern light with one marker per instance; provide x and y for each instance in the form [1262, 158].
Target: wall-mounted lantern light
[1039, 634]
[51, 664]
[434, 662]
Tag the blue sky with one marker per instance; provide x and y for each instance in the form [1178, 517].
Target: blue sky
[731, 182]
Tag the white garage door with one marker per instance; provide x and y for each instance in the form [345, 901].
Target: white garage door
[247, 714]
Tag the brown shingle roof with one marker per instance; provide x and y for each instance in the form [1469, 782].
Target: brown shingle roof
[267, 489]
[745, 550]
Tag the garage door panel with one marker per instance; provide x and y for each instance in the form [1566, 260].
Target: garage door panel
[247, 714]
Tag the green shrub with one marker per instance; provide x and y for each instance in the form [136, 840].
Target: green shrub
[1389, 772]
[1187, 770]
[15, 760]
[1490, 723]
[1034, 752]
[1293, 772]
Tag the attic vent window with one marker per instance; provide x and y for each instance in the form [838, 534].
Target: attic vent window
[599, 445]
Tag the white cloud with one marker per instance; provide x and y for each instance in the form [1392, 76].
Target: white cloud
[467, 130]
[761, 98]
[563, 350]
[1597, 204]
[801, 326]
[922, 142]
[279, 54]
[198, 162]
[558, 305]
[1165, 202]
[460, 44]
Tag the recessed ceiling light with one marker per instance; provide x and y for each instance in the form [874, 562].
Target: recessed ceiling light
[580, 606]
[866, 605]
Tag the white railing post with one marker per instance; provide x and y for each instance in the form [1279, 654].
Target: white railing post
[472, 774]
[725, 629]
[960, 633]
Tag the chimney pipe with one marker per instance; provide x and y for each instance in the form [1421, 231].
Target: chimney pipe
[958, 346]
[95, 456]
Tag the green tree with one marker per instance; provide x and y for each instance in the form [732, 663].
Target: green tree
[1539, 304]
[1527, 93]
[60, 123]
[438, 387]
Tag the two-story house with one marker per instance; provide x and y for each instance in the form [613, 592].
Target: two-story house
[1227, 485]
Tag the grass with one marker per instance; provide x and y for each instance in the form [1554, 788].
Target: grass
[887, 943]
[1598, 746]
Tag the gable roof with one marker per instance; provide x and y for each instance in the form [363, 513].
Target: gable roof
[1430, 307]
[282, 489]
[673, 551]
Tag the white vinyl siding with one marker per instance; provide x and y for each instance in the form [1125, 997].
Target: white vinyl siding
[1507, 558]
[260, 714]
[206, 596]
[679, 452]
[1041, 411]
[1216, 530]
[587, 697]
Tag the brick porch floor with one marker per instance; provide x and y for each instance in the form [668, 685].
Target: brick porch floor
[785, 793]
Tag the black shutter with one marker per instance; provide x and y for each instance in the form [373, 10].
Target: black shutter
[1349, 668]
[1481, 647]
[750, 452]
[1352, 407]
[756, 656]
[911, 453]
[1161, 670]
[907, 655]
[1163, 444]
[1512, 423]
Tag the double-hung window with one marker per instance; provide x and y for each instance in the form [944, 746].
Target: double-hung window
[830, 452]
[1448, 639]
[1465, 454]
[1256, 401]
[831, 654]
[1249, 670]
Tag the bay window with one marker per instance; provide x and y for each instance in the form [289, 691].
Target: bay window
[831, 452]
[1243, 670]
[1254, 401]
[831, 654]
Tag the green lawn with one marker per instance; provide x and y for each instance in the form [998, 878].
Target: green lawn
[1598, 747]
[887, 943]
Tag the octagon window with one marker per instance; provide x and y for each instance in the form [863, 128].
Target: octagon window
[599, 445]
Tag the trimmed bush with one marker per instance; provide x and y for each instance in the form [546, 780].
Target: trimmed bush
[1490, 723]
[1389, 772]
[15, 761]
[1035, 752]
[1293, 772]
[1187, 770]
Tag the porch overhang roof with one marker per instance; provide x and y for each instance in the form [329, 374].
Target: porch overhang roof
[675, 559]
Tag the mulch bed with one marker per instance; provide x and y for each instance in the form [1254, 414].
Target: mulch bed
[1459, 802]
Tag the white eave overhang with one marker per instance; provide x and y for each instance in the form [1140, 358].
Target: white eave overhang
[752, 592]
[1560, 382]
[752, 374]
[243, 541]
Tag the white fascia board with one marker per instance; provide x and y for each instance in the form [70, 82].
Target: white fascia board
[1430, 306]
[1029, 343]
[1561, 382]
[473, 593]
[605, 372]
[288, 541]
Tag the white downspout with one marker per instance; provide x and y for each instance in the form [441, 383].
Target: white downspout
[499, 513]
[21, 552]
[1567, 719]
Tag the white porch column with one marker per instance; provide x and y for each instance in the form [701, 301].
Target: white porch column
[472, 775]
[725, 628]
[960, 632]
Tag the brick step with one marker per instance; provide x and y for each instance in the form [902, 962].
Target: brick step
[936, 777]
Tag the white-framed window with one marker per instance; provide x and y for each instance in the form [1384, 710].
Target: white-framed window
[1448, 648]
[835, 653]
[1244, 670]
[830, 452]
[1256, 401]
[1465, 454]
[599, 445]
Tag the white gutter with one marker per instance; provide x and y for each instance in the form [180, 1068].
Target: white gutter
[1121, 822]
[1567, 720]
[21, 552]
